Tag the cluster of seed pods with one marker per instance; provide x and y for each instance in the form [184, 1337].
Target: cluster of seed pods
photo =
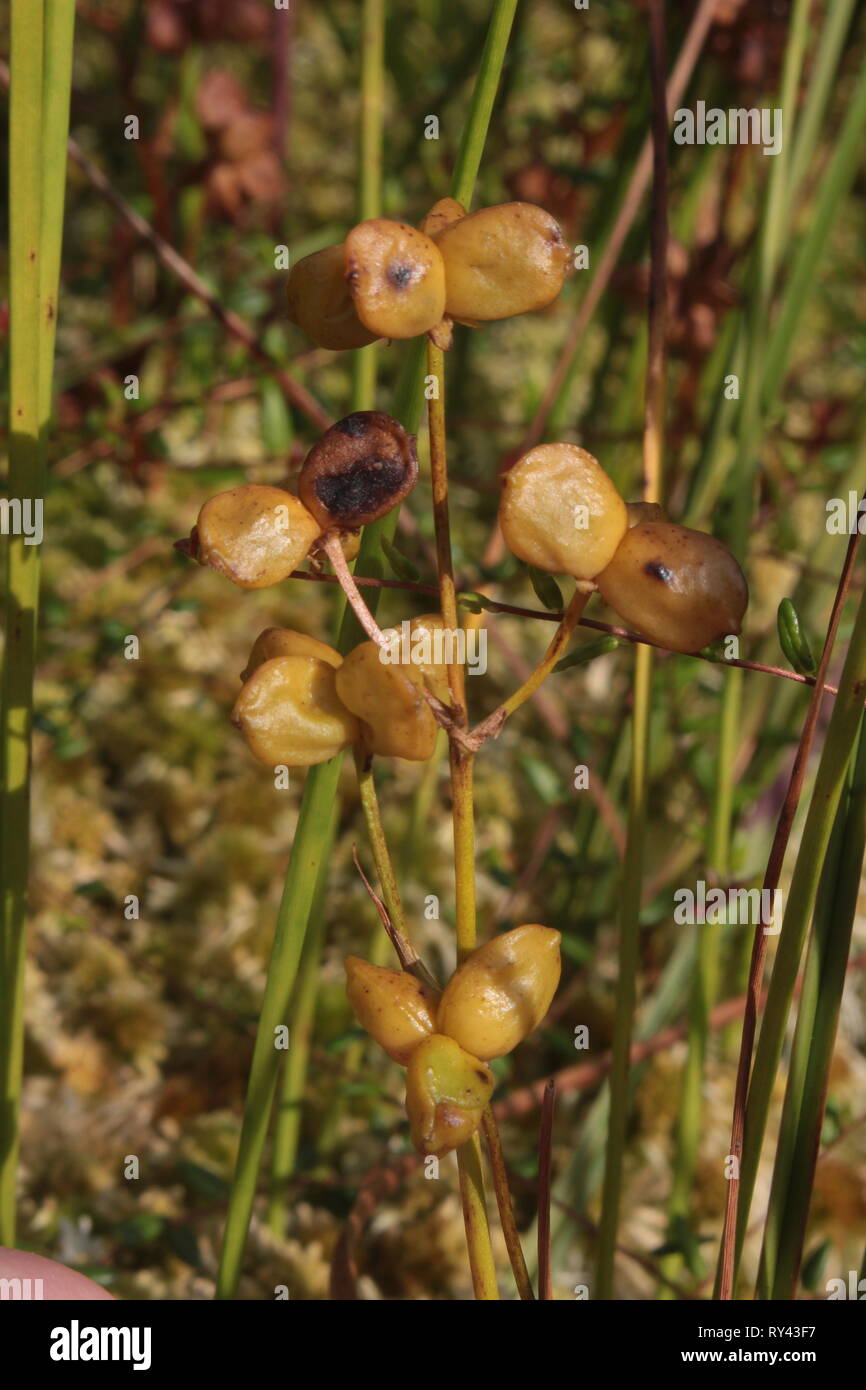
[391, 280]
[679, 588]
[301, 702]
[494, 999]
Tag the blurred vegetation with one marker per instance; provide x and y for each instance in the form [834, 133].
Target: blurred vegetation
[140, 1027]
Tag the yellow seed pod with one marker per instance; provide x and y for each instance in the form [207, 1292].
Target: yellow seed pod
[289, 712]
[441, 215]
[680, 588]
[394, 1008]
[446, 1092]
[388, 699]
[502, 991]
[320, 303]
[561, 512]
[396, 277]
[421, 648]
[502, 261]
[284, 641]
[254, 535]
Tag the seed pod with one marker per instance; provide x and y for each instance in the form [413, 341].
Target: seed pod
[394, 1008]
[502, 261]
[320, 303]
[561, 512]
[289, 712]
[442, 214]
[284, 641]
[396, 277]
[679, 588]
[397, 722]
[360, 468]
[254, 535]
[502, 991]
[421, 651]
[446, 1092]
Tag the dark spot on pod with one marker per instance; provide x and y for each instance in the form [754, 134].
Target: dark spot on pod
[360, 468]
[658, 571]
[354, 425]
[367, 484]
[400, 275]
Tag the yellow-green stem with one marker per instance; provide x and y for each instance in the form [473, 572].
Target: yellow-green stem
[462, 762]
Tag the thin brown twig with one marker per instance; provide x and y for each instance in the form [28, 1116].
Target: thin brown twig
[554, 616]
[545, 1148]
[728, 1253]
[499, 1175]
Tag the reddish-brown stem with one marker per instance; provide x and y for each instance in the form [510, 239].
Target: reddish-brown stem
[545, 1148]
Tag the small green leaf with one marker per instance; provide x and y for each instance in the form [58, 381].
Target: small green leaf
[793, 640]
[476, 603]
[588, 652]
[400, 565]
[547, 591]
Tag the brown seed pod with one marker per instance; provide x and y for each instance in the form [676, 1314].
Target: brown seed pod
[255, 535]
[396, 277]
[679, 588]
[359, 469]
[502, 261]
[284, 641]
[320, 303]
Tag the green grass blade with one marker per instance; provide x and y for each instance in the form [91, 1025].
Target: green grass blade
[829, 782]
[815, 1039]
[41, 64]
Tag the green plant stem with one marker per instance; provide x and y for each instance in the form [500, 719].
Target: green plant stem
[321, 784]
[816, 1034]
[463, 818]
[632, 868]
[483, 96]
[829, 781]
[379, 844]
[41, 60]
[627, 971]
[690, 1114]
[294, 1074]
[364, 372]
